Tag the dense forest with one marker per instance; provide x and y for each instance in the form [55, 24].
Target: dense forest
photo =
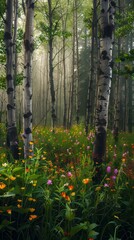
[67, 77]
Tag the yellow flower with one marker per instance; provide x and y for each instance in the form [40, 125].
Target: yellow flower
[19, 200]
[97, 188]
[31, 143]
[9, 211]
[2, 185]
[12, 178]
[73, 194]
[31, 217]
[22, 188]
[19, 206]
[123, 160]
[31, 210]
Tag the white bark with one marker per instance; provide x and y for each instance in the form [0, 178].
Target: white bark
[27, 96]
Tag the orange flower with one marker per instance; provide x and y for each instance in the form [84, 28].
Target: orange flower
[12, 178]
[31, 217]
[2, 185]
[67, 198]
[63, 194]
[9, 211]
[70, 187]
[85, 180]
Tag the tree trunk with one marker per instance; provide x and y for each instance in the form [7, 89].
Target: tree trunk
[107, 9]
[51, 68]
[27, 104]
[91, 92]
[12, 139]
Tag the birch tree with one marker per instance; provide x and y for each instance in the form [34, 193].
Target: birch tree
[27, 96]
[107, 10]
[12, 140]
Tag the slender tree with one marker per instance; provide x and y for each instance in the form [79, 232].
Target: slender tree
[27, 96]
[12, 140]
[107, 10]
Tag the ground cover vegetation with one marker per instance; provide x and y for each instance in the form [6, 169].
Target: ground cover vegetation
[51, 195]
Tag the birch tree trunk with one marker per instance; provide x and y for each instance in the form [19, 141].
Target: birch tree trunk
[12, 140]
[107, 10]
[51, 68]
[27, 95]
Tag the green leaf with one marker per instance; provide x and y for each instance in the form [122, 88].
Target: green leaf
[69, 215]
[79, 227]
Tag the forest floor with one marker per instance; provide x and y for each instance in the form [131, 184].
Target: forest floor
[52, 195]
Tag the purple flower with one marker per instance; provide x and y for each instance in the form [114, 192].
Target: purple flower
[69, 174]
[106, 185]
[113, 177]
[49, 182]
[108, 170]
[115, 171]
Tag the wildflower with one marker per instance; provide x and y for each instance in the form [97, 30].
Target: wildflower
[86, 180]
[123, 160]
[31, 143]
[12, 178]
[4, 164]
[115, 171]
[31, 217]
[73, 194]
[63, 194]
[88, 147]
[19, 200]
[31, 210]
[108, 169]
[22, 188]
[70, 187]
[49, 182]
[19, 206]
[67, 198]
[2, 185]
[97, 188]
[69, 174]
[9, 211]
[113, 177]
[106, 185]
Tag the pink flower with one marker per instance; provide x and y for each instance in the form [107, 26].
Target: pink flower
[88, 147]
[49, 182]
[106, 185]
[69, 174]
[113, 177]
[115, 171]
[108, 170]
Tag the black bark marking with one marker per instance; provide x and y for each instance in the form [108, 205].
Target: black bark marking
[27, 115]
[102, 10]
[31, 5]
[99, 109]
[10, 107]
[111, 64]
[9, 90]
[28, 130]
[100, 97]
[28, 84]
[101, 72]
[102, 122]
[9, 77]
[108, 30]
[28, 46]
[104, 55]
[113, 3]
[7, 36]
